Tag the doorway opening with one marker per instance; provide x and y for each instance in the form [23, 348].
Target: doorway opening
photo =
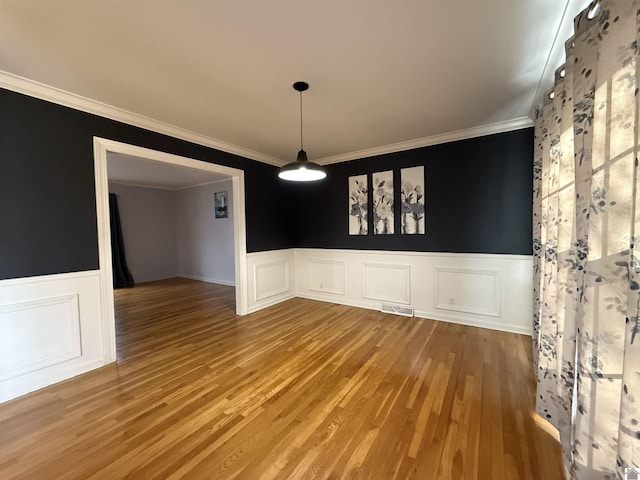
[102, 149]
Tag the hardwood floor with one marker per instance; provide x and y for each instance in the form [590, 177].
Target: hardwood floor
[301, 390]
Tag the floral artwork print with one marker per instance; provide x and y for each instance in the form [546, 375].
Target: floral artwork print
[358, 205]
[383, 202]
[412, 200]
[586, 265]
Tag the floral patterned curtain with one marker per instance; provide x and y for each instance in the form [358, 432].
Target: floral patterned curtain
[586, 261]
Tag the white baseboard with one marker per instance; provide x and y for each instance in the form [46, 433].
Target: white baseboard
[19, 386]
[368, 304]
[462, 320]
[270, 302]
[474, 321]
[208, 280]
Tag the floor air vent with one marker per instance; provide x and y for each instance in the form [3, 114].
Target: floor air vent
[397, 309]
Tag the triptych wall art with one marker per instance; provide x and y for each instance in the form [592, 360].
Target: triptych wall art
[383, 202]
[412, 200]
[411, 211]
[358, 205]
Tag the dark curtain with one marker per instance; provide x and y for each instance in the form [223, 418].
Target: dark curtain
[121, 276]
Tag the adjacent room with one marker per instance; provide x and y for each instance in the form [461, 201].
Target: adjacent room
[287, 240]
[169, 222]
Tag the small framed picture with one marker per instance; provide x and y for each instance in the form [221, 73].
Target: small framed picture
[221, 204]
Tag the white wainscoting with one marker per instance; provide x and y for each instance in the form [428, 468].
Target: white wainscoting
[270, 278]
[50, 330]
[60, 331]
[490, 291]
[387, 282]
[39, 334]
[469, 290]
[326, 276]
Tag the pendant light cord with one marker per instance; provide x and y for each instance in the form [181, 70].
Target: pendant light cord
[302, 170]
[301, 121]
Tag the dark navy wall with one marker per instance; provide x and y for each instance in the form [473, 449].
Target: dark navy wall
[47, 192]
[477, 199]
[477, 191]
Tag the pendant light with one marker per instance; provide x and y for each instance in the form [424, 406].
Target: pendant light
[302, 170]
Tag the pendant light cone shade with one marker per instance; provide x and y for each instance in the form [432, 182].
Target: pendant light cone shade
[302, 170]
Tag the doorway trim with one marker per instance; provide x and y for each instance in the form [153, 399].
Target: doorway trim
[101, 147]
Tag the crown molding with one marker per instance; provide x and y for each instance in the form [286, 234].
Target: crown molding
[556, 55]
[500, 127]
[55, 95]
[58, 96]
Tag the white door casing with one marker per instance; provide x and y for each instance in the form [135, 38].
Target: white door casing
[101, 148]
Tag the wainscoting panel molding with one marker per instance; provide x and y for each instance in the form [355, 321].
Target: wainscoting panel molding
[61, 331]
[386, 282]
[39, 333]
[327, 276]
[468, 290]
[271, 278]
[50, 330]
[484, 290]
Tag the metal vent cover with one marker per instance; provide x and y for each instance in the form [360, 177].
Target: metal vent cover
[404, 310]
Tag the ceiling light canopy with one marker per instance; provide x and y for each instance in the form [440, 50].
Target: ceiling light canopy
[302, 170]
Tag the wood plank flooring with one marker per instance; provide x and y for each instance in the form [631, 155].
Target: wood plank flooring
[300, 390]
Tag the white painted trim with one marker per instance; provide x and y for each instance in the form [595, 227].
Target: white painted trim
[511, 299]
[62, 371]
[461, 320]
[75, 348]
[107, 307]
[208, 280]
[101, 148]
[557, 54]
[280, 284]
[262, 253]
[395, 253]
[515, 278]
[323, 289]
[73, 301]
[474, 322]
[48, 278]
[58, 96]
[270, 302]
[259, 296]
[406, 299]
[164, 157]
[369, 305]
[240, 244]
[496, 312]
[168, 189]
[480, 131]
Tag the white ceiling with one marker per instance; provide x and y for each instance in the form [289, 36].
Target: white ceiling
[137, 171]
[381, 71]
